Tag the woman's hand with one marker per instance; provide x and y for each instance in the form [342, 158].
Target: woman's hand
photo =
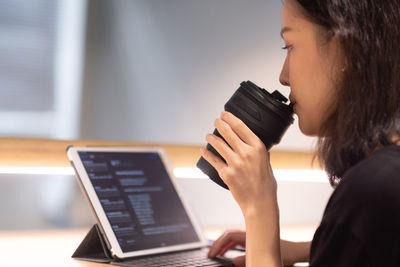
[292, 252]
[227, 241]
[247, 171]
[249, 176]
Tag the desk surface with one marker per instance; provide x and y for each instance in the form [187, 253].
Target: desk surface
[55, 247]
[42, 248]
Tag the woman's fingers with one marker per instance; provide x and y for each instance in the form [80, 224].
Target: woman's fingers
[235, 237]
[215, 161]
[229, 246]
[229, 135]
[240, 128]
[221, 147]
[238, 137]
[240, 261]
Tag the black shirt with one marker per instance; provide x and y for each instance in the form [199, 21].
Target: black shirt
[361, 222]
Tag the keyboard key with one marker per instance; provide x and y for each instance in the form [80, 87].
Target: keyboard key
[195, 258]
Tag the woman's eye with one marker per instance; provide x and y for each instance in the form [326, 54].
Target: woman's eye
[287, 47]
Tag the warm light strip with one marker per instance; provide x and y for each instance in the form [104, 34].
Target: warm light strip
[281, 175]
[37, 170]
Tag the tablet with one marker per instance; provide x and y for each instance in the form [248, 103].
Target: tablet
[136, 200]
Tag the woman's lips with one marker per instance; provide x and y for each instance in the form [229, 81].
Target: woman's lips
[292, 103]
[291, 99]
[294, 107]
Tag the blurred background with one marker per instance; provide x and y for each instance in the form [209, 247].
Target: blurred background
[133, 70]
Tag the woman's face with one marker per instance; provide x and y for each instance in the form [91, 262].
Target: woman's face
[309, 68]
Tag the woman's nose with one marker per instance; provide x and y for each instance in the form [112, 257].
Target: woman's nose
[284, 76]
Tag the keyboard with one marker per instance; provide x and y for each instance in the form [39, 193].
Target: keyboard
[193, 258]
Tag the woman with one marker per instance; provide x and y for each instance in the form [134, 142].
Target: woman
[343, 69]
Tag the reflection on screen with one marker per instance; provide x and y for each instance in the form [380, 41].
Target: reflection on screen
[139, 200]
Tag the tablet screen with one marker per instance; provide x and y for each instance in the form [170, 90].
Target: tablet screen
[139, 199]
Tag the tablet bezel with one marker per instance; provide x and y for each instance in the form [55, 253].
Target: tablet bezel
[98, 211]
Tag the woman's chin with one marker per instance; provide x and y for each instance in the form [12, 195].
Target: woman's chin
[307, 128]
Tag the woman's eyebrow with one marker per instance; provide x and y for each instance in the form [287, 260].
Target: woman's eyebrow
[285, 29]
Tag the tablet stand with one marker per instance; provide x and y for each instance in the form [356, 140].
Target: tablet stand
[93, 247]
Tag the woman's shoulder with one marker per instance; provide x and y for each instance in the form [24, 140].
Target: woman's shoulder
[387, 156]
[370, 186]
[381, 170]
[361, 221]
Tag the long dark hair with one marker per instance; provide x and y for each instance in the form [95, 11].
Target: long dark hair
[366, 113]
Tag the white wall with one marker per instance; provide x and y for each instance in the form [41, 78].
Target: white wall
[215, 206]
[161, 71]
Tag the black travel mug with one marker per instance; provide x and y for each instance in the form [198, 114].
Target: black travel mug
[266, 114]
